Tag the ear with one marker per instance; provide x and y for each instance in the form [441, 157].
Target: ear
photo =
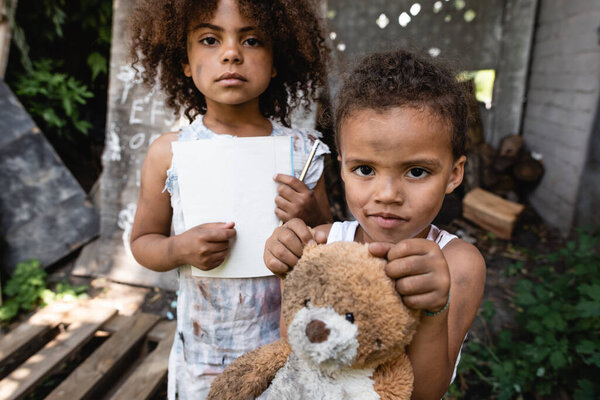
[456, 176]
[187, 70]
[273, 72]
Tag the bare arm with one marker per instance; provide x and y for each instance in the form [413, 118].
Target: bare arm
[435, 347]
[150, 242]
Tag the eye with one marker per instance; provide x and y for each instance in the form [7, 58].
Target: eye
[208, 41]
[417, 173]
[364, 170]
[306, 302]
[350, 317]
[378, 343]
[253, 42]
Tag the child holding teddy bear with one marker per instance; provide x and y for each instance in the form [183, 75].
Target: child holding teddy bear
[400, 130]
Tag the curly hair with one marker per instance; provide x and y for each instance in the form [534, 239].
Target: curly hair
[399, 78]
[159, 35]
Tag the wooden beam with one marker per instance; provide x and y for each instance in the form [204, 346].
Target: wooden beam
[87, 320]
[147, 377]
[94, 371]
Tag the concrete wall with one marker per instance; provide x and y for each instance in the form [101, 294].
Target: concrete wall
[562, 101]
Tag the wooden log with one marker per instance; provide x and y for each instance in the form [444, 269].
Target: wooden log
[527, 169]
[491, 212]
[510, 146]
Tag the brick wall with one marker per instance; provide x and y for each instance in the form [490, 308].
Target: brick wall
[561, 109]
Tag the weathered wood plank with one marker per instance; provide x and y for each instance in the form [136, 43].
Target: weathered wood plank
[86, 320]
[37, 325]
[148, 375]
[90, 375]
[491, 212]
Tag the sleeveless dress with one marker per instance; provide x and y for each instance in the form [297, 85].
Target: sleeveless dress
[219, 319]
[345, 232]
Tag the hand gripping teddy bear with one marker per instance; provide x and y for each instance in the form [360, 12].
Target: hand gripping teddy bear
[347, 335]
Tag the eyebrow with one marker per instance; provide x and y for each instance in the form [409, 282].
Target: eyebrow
[218, 28]
[432, 163]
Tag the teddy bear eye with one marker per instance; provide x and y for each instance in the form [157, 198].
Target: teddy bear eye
[306, 302]
[350, 317]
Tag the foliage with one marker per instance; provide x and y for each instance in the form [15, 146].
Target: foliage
[62, 96]
[54, 97]
[26, 289]
[556, 347]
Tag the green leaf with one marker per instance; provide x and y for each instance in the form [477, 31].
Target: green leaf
[98, 64]
[557, 360]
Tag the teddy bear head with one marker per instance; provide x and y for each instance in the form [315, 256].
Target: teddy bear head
[342, 310]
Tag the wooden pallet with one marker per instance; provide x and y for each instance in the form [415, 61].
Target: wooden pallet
[103, 355]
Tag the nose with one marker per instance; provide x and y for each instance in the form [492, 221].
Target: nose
[389, 191]
[317, 331]
[231, 53]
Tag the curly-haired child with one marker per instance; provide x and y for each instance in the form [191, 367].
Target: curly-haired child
[401, 126]
[234, 68]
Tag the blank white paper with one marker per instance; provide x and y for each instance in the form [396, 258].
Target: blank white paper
[231, 179]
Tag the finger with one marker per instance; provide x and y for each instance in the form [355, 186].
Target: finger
[219, 235]
[300, 229]
[283, 203]
[428, 301]
[407, 266]
[410, 247]
[291, 182]
[275, 264]
[379, 249]
[414, 285]
[216, 247]
[218, 225]
[320, 237]
[283, 215]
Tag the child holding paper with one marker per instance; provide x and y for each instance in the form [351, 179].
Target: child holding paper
[235, 68]
[401, 126]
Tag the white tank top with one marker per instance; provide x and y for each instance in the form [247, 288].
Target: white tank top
[346, 231]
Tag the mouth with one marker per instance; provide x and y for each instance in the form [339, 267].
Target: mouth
[231, 78]
[387, 220]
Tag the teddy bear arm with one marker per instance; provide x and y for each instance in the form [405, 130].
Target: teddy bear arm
[394, 380]
[251, 374]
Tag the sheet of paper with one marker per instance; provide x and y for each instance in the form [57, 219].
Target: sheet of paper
[231, 179]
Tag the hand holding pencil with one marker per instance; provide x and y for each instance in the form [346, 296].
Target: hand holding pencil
[294, 198]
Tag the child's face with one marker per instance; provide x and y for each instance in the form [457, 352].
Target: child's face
[397, 165]
[230, 60]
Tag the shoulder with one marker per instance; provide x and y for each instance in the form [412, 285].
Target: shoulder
[160, 152]
[466, 265]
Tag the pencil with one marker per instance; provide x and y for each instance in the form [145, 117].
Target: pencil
[309, 160]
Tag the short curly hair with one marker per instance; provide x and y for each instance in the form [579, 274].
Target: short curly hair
[400, 78]
[159, 35]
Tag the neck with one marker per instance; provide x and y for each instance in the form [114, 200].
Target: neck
[243, 120]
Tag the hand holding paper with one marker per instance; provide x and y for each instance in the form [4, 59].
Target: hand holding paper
[231, 179]
[206, 246]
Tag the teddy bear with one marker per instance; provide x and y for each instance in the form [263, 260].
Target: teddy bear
[348, 330]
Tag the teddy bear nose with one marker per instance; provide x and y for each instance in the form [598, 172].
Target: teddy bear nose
[317, 331]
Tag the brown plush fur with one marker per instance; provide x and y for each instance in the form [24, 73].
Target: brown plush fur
[347, 278]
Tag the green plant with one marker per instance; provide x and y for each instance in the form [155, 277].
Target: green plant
[54, 97]
[556, 347]
[26, 289]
